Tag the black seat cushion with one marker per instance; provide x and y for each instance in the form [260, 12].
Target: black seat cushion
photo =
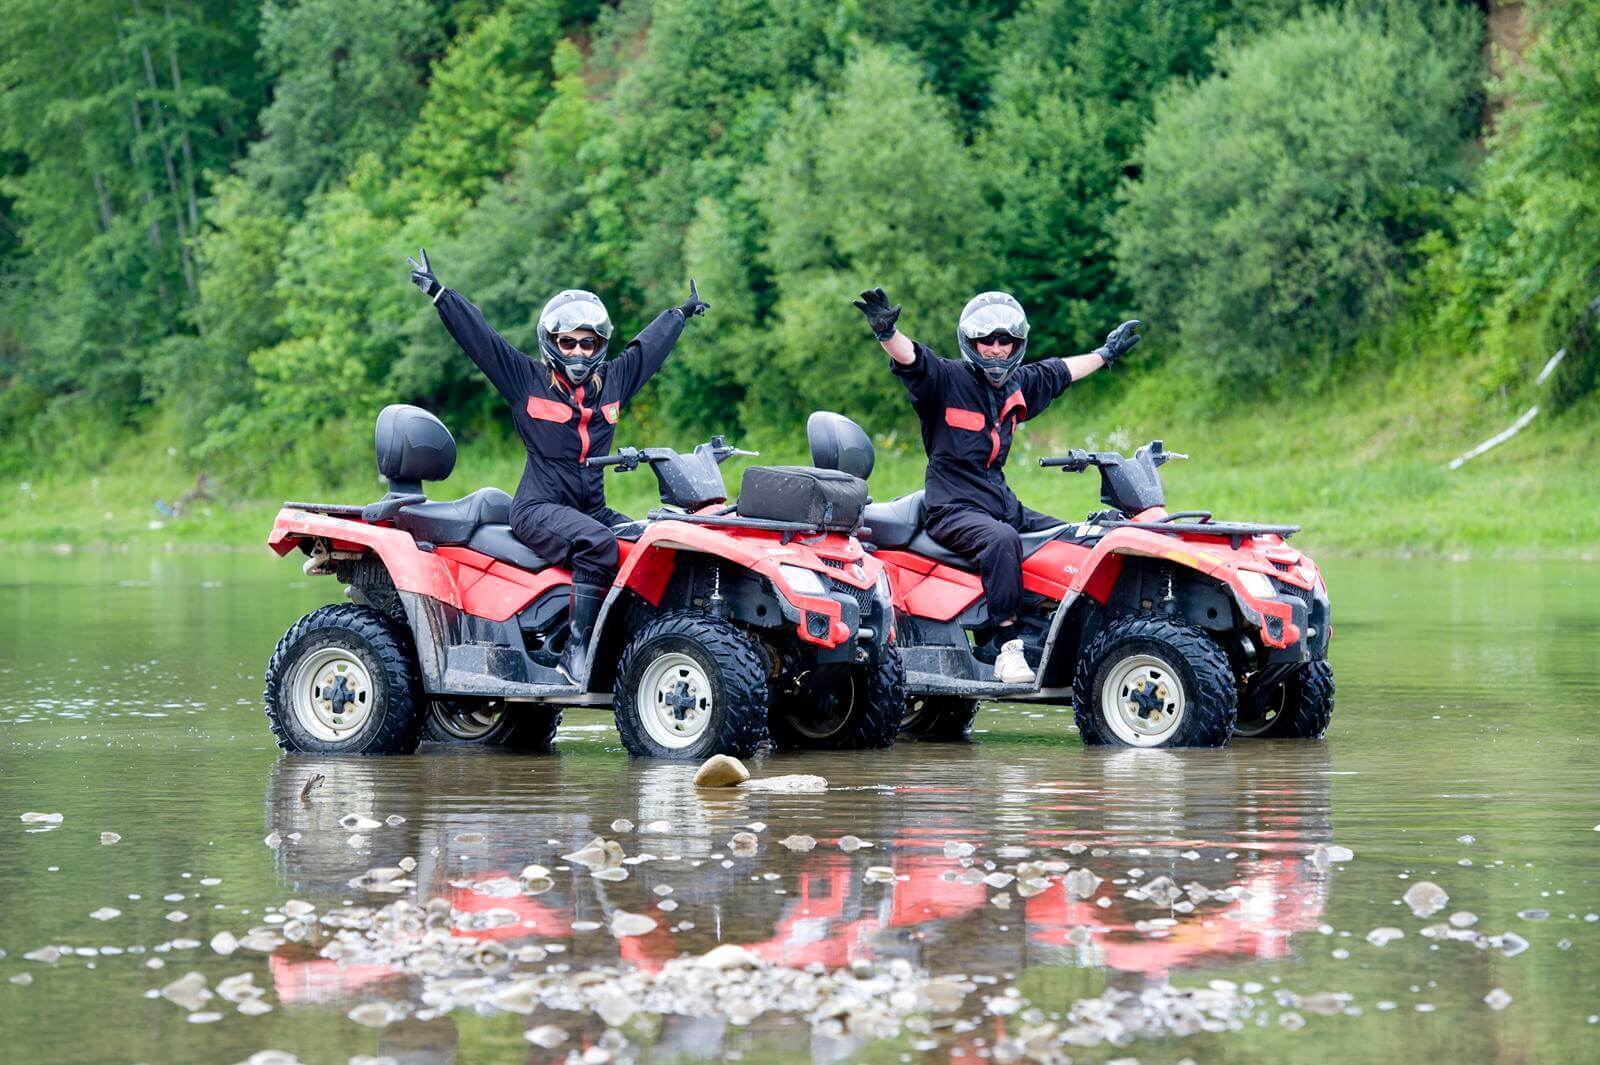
[453, 521]
[893, 524]
[499, 542]
[928, 547]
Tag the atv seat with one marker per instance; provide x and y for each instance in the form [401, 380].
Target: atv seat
[454, 521]
[893, 524]
[499, 542]
[898, 524]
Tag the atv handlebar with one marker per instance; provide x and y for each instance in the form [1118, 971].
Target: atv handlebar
[1077, 460]
[629, 458]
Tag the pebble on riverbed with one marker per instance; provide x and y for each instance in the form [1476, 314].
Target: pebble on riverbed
[721, 771]
[1425, 898]
[108, 838]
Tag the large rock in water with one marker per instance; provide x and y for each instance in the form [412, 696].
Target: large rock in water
[721, 771]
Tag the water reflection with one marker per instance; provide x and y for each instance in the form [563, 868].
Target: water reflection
[1211, 845]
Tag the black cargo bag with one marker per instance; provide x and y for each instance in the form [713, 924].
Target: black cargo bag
[825, 499]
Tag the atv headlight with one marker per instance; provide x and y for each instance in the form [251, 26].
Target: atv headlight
[802, 580]
[1259, 585]
[883, 587]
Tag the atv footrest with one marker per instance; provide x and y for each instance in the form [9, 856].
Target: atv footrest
[938, 684]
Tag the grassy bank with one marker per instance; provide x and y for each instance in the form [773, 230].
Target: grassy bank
[1361, 464]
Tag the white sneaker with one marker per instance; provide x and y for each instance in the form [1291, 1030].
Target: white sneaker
[1010, 667]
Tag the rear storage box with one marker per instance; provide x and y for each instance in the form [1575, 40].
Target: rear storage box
[827, 499]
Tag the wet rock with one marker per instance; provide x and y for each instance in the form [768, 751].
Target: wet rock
[799, 844]
[177, 917]
[1497, 998]
[108, 838]
[1511, 944]
[597, 854]
[224, 943]
[729, 957]
[547, 1036]
[35, 818]
[878, 874]
[1463, 919]
[273, 840]
[20, 979]
[106, 913]
[624, 924]
[622, 824]
[1425, 898]
[407, 863]
[1001, 901]
[1533, 915]
[354, 822]
[298, 908]
[469, 839]
[374, 1014]
[852, 843]
[188, 992]
[240, 988]
[48, 955]
[393, 820]
[1162, 890]
[721, 771]
[1081, 883]
[1032, 886]
[271, 1057]
[744, 844]
[956, 849]
[1379, 937]
[612, 1005]
[793, 782]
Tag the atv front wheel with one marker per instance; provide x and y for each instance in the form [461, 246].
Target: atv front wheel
[690, 685]
[490, 723]
[859, 710]
[1147, 681]
[939, 718]
[1297, 706]
[343, 680]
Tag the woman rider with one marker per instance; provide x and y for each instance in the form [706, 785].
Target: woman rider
[565, 412]
[969, 411]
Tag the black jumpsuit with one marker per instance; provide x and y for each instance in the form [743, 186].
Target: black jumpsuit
[967, 426]
[560, 505]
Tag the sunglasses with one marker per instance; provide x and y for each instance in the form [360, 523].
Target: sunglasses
[575, 343]
[998, 339]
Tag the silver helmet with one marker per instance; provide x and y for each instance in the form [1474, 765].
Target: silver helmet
[566, 311]
[984, 315]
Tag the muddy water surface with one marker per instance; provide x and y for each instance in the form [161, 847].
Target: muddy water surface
[1243, 905]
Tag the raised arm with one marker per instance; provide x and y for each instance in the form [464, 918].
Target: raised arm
[505, 366]
[646, 352]
[1118, 343]
[882, 317]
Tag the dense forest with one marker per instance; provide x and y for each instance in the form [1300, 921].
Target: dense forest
[206, 205]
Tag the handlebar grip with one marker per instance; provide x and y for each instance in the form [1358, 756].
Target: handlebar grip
[1054, 462]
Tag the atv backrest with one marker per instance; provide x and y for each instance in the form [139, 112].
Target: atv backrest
[837, 443]
[412, 446]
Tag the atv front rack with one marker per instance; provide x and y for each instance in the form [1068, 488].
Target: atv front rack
[1236, 531]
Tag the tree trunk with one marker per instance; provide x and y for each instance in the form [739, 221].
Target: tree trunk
[166, 159]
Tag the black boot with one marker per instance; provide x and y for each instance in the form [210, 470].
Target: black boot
[586, 600]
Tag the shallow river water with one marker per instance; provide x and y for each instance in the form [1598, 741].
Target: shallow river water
[1243, 905]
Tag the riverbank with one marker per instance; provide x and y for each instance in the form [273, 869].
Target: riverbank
[1362, 466]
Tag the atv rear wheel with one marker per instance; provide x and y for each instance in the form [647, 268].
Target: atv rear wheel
[343, 680]
[859, 710]
[690, 685]
[463, 720]
[1296, 706]
[1147, 681]
[939, 718]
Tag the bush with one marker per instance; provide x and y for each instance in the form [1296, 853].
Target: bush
[1281, 198]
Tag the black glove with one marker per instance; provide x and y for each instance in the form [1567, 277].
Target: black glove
[880, 316]
[1119, 342]
[694, 304]
[422, 276]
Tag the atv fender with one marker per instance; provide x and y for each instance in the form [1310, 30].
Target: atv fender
[411, 569]
[1103, 566]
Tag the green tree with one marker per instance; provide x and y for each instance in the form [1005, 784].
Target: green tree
[347, 80]
[1280, 199]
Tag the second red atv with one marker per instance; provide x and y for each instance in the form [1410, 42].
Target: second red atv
[723, 627]
[1161, 630]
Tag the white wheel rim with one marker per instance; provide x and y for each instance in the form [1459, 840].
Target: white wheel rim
[674, 700]
[1142, 700]
[471, 725]
[331, 694]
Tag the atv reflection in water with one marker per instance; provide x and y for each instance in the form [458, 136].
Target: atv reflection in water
[472, 828]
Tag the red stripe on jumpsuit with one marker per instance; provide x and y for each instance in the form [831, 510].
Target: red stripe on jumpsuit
[584, 414]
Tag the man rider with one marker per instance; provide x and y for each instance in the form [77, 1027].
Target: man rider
[565, 411]
[969, 411]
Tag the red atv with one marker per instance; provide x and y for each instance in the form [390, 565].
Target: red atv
[1161, 630]
[723, 626]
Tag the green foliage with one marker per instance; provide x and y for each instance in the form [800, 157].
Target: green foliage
[1529, 247]
[347, 79]
[1280, 198]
